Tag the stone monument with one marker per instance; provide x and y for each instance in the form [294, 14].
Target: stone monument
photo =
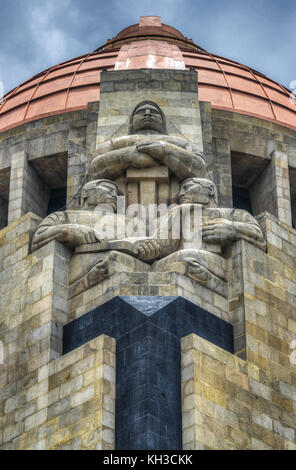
[148, 252]
[148, 146]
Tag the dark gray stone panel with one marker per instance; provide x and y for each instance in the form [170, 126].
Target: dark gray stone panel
[148, 362]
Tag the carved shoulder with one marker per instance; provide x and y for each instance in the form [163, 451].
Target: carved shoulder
[56, 218]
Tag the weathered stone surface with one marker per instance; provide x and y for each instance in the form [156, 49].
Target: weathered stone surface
[61, 413]
[245, 400]
[148, 362]
[224, 407]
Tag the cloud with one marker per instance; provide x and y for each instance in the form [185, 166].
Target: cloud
[168, 10]
[53, 39]
[44, 32]
[43, 37]
[36, 35]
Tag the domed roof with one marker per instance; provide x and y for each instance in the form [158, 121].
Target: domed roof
[225, 83]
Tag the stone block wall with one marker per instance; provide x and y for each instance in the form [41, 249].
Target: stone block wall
[229, 403]
[60, 147]
[259, 143]
[248, 402]
[242, 401]
[148, 387]
[39, 156]
[270, 299]
[25, 183]
[148, 284]
[47, 401]
[33, 305]
[70, 405]
[271, 190]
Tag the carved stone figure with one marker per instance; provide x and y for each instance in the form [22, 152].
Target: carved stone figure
[99, 255]
[220, 227]
[92, 228]
[147, 145]
[77, 227]
[99, 237]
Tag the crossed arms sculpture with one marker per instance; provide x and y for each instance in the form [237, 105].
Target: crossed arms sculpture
[100, 253]
[147, 145]
[220, 226]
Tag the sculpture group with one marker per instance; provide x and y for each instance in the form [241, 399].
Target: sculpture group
[98, 255]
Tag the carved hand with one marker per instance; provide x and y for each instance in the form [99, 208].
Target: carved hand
[140, 159]
[218, 230]
[148, 250]
[71, 234]
[78, 234]
[154, 149]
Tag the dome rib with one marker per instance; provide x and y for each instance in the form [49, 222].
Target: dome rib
[36, 89]
[84, 59]
[263, 89]
[225, 78]
[227, 84]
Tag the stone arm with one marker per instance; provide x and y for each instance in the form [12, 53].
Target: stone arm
[136, 139]
[184, 163]
[113, 163]
[236, 225]
[178, 154]
[55, 227]
[165, 239]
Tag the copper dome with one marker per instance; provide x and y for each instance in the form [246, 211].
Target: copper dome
[225, 83]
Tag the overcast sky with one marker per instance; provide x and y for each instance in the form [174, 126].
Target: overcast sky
[37, 34]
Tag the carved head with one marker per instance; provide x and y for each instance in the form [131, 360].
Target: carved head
[198, 191]
[99, 192]
[147, 117]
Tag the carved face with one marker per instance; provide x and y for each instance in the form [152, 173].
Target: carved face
[100, 192]
[147, 117]
[198, 191]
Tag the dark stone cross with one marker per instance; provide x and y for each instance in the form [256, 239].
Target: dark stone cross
[148, 362]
